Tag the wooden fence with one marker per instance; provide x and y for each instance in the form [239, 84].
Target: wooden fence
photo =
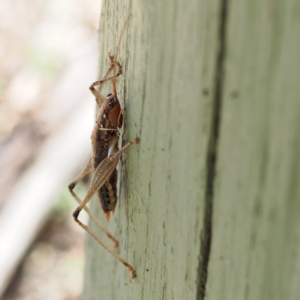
[209, 201]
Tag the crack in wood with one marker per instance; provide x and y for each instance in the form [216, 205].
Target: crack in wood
[211, 159]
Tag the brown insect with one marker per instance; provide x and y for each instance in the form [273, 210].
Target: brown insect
[105, 155]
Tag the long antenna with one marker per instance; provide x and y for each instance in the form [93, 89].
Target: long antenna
[122, 32]
[117, 52]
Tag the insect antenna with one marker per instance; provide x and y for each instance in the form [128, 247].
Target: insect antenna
[120, 38]
[117, 53]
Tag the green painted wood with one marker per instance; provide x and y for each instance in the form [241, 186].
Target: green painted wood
[255, 250]
[169, 55]
[205, 78]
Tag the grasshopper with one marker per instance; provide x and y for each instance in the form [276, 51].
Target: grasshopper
[105, 155]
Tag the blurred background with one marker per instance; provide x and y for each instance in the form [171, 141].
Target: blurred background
[48, 59]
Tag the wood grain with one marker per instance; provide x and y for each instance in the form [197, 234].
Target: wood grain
[256, 224]
[212, 90]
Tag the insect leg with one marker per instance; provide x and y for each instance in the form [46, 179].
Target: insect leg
[87, 169]
[105, 79]
[119, 152]
[118, 257]
[97, 93]
[82, 174]
[102, 173]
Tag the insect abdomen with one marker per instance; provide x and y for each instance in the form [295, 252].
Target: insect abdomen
[108, 195]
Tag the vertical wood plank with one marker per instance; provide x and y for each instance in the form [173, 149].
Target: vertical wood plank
[173, 54]
[256, 219]
[169, 55]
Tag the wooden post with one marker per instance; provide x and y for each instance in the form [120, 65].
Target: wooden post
[209, 201]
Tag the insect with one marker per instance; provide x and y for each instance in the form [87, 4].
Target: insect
[105, 155]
